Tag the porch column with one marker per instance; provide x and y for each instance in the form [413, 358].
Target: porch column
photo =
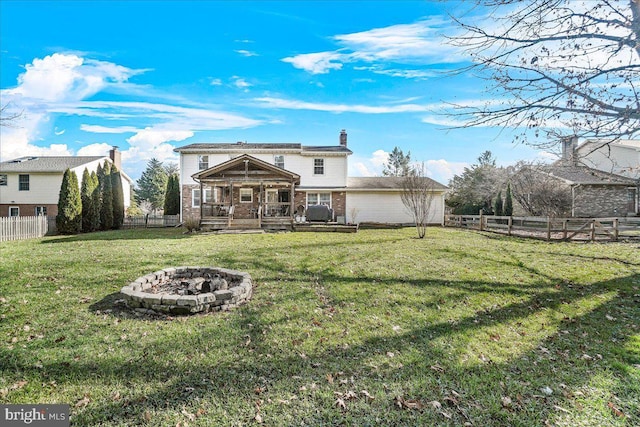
[201, 199]
[291, 200]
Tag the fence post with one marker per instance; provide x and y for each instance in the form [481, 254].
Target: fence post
[548, 228]
[565, 223]
[510, 224]
[593, 230]
[481, 221]
[615, 229]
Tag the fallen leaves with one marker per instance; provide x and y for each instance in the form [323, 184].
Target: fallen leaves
[616, 411]
[83, 402]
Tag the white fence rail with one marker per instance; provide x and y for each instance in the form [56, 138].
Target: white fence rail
[23, 227]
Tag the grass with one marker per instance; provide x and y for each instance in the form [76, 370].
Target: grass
[374, 328]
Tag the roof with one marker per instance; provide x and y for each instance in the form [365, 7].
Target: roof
[383, 183]
[248, 167]
[594, 144]
[46, 164]
[252, 147]
[585, 175]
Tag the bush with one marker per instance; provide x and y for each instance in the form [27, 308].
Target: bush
[69, 218]
[191, 224]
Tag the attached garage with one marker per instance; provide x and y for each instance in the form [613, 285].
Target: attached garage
[378, 199]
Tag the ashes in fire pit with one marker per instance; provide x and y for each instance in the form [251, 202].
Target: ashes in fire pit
[188, 290]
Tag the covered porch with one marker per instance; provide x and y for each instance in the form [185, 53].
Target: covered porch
[246, 192]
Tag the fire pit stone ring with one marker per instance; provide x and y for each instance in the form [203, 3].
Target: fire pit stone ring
[189, 290]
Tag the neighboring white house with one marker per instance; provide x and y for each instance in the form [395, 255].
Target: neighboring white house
[275, 184]
[621, 157]
[31, 185]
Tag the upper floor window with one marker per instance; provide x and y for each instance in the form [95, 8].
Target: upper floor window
[318, 166]
[203, 162]
[23, 182]
[278, 160]
[3, 179]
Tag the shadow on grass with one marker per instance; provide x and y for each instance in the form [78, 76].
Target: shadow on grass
[123, 234]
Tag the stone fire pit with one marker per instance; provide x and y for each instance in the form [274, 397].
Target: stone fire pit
[189, 290]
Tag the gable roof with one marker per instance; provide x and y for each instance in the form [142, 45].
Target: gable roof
[46, 163]
[573, 174]
[204, 148]
[384, 183]
[236, 166]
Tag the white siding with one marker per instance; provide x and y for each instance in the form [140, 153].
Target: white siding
[387, 207]
[43, 188]
[335, 174]
[618, 159]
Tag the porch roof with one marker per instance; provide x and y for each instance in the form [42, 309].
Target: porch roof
[246, 168]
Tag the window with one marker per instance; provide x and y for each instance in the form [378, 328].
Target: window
[195, 197]
[631, 200]
[319, 199]
[14, 211]
[3, 179]
[23, 182]
[279, 161]
[246, 195]
[203, 162]
[41, 211]
[318, 166]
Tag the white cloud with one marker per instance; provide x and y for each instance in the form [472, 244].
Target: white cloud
[442, 170]
[368, 166]
[417, 43]
[105, 129]
[270, 102]
[317, 63]
[246, 53]
[96, 149]
[241, 83]
[215, 82]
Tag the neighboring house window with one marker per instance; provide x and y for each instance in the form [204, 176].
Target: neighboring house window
[246, 195]
[631, 200]
[23, 182]
[14, 211]
[279, 161]
[319, 199]
[3, 179]
[318, 166]
[195, 197]
[203, 162]
[41, 211]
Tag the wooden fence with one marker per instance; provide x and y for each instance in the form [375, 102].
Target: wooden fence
[581, 229]
[23, 227]
[149, 221]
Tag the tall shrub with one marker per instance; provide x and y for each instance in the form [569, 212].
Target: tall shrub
[508, 202]
[106, 209]
[118, 198]
[172, 196]
[69, 218]
[86, 197]
[96, 200]
[498, 207]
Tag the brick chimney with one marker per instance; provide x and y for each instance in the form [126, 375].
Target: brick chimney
[116, 157]
[343, 138]
[569, 146]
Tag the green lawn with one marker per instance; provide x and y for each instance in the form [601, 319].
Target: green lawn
[374, 328]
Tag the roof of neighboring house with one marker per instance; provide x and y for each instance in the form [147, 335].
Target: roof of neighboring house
[585, 175]
[594, 144]
[46, 163]
[243, 146]
[383, 183]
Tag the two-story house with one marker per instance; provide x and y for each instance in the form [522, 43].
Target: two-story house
[273, 185]
[30, 186]
[621, 157]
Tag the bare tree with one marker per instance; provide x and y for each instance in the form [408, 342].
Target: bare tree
[417, 196]
[538, 192]
[8, 119]
[556, 68]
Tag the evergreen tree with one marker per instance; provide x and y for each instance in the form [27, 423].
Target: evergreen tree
[106, 208]
[118, 198]
[498, 205]
[398, 164]
[133, 208]
[96, 200]
[69, 218]
[508, 202]
[172, 196]
[86, 193]
[153, 184]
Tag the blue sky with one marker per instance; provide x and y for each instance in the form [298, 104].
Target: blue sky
[150, 76]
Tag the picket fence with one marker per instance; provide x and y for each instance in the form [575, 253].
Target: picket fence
[23, 227]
